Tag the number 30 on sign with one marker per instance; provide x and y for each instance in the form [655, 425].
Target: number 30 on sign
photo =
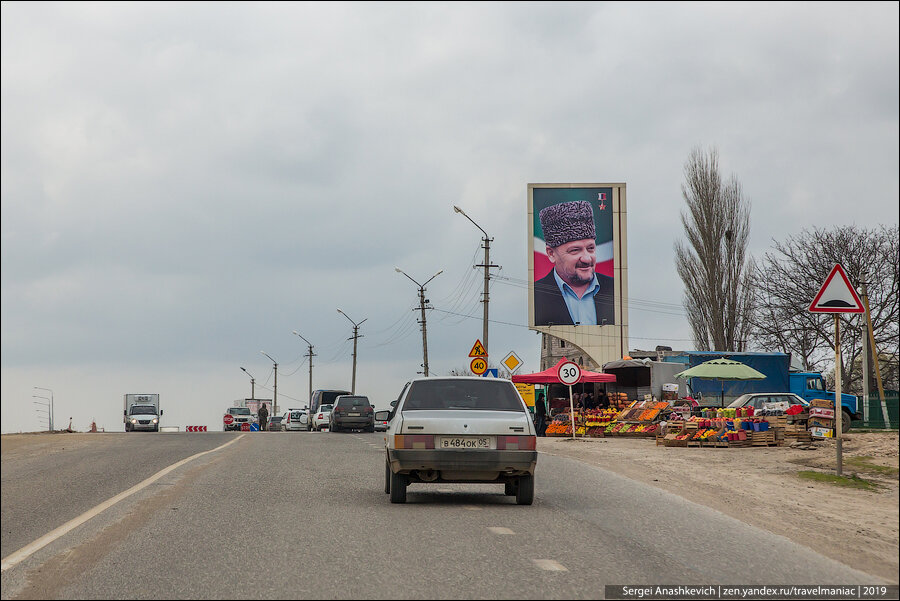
[478, 366]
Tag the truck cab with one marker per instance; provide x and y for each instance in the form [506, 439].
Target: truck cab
[811, 385]
[142, 417]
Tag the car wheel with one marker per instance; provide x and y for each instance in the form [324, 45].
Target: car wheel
[370, 429]
[525, 490]
[509, 488]
[846, 418]
[387, 476]
[334, 428]
[398, 487]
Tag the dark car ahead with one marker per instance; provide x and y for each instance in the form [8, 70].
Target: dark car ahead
[352, 412]
[274, 424]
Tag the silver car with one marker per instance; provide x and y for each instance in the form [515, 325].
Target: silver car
[460, 429]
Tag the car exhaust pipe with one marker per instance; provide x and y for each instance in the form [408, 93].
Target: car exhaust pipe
[427, 475]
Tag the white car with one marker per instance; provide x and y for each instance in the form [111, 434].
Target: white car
[294, 419]
[321, 417]
[460, 429]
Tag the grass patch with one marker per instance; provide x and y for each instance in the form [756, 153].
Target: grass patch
[864, 463]
[848, 481]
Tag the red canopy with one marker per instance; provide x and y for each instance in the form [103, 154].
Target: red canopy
[548, 376]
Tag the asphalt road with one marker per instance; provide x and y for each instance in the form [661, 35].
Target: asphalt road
[304, 515]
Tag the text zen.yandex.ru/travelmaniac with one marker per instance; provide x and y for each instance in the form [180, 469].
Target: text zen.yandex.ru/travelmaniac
[751, 592]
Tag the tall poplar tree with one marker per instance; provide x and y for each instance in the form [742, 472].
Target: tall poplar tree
[713, 262]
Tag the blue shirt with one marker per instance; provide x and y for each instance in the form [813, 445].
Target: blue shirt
[582, 310]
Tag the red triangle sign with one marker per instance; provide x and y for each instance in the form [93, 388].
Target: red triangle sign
[837, 295]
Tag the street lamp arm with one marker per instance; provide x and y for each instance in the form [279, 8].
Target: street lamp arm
[304, 339]
[432, 277]
[270, 358]
[398, 270]
[463, 213]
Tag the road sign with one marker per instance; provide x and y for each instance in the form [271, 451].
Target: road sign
[245, 427]
[512, 362]
[253, 427]
[478, 350]
[478, 366]
[492, 373]
[195, 428]
[228, 419]
[837, 295]
[569, 373]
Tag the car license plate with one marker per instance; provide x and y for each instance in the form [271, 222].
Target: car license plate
[353, 414]
[466, 442]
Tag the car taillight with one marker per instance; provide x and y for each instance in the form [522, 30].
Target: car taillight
[516, 443]
[321, 416]
[369, 410]
[413, 441]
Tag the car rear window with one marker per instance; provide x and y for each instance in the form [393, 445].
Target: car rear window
[462, 394]
[296, 415]
[353, 401]
[325, 408]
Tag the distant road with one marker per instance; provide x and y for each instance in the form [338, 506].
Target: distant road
[304, 515]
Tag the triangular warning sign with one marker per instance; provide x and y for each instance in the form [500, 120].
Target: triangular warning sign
[837, 295]
[478, 350]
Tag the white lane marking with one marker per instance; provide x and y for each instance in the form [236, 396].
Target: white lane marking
[18, 556]
[500, 530]
[472, 507]
[549, 565]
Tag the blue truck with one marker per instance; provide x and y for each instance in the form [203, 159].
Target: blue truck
[780, 377]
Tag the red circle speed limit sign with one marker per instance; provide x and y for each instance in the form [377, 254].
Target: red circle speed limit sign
[569, 373]
[478, 366]
[228, 419]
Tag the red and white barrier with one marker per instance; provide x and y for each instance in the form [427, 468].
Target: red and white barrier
[195, 429]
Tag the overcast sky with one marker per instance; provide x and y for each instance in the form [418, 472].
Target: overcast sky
[185, 184]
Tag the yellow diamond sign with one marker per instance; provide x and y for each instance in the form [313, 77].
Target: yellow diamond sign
[512, 362]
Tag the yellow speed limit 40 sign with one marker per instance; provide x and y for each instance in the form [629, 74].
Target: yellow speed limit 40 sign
[478, 365]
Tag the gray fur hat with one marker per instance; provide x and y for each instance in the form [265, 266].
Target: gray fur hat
[566, 222]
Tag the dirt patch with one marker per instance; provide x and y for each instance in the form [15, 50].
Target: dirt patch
[760, 486]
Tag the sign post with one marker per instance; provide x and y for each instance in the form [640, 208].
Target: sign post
[569, 373]
[837, 296]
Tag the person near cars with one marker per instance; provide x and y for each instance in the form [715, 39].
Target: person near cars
[263, 417]
[540, 415]
[573, 293]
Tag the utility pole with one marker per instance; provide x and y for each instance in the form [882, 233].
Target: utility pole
[354, 338]
[884, 411]
[310, 355]
[422, 302]
[487, 277]
[252, 384]
[275, 394]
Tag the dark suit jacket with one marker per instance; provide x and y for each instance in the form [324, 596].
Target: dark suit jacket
[550, 307]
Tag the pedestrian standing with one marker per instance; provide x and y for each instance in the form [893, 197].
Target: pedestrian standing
[263, 417]
[540, 415]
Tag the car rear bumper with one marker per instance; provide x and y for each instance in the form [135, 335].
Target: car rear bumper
[458, 461]
[354, 422]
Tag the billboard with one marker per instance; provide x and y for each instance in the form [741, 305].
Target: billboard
[577, 288]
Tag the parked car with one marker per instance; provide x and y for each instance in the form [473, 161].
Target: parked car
[352, 412]
[773, 400]
[239, 417]
[321, 418]
[323, 397]
[274, 424]
[460, 429]
[294, 419]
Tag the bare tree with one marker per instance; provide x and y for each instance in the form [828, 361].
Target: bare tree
[791, 275]
[713, 264]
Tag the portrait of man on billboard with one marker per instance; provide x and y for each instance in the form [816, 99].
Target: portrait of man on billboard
[575, 291]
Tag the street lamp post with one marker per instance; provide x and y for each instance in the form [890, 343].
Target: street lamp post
[252, 384]
[355, 337]
[311, 355]
[422, 301]
[51, 404]
[274, 394]
[487, 276]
